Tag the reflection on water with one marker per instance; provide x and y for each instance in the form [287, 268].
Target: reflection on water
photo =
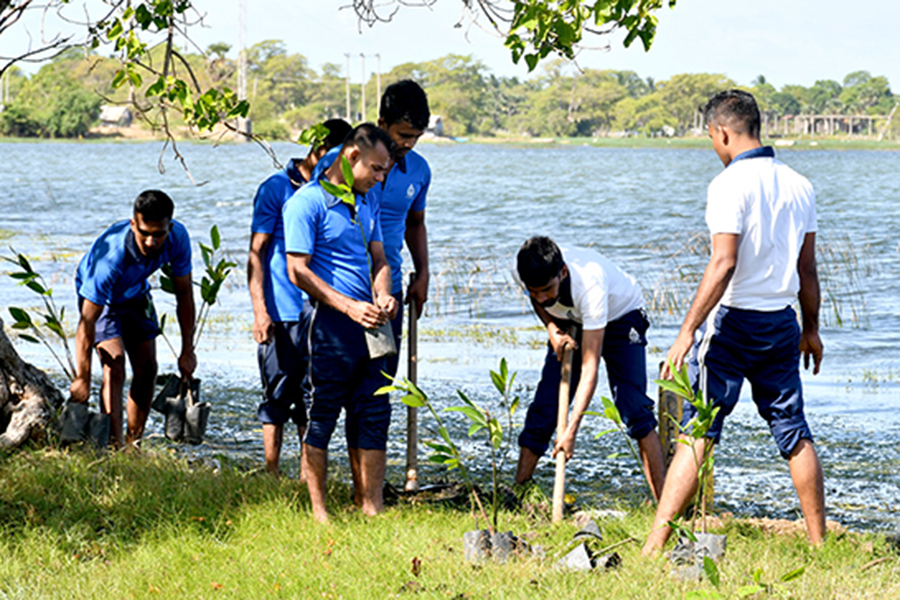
[632, 205]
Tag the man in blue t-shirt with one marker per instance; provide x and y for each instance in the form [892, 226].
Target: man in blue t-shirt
[117, 314]
[280, 310]
[335, 254]
[402, 196]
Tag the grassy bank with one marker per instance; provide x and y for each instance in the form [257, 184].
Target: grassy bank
[81, 526]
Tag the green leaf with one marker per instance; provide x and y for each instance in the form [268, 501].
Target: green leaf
[711, 570]
[445, 434]
[617, 455]
[29, 338]
[749, 590]
[465, 399]
[119, 78]
[504, 369]
[514, 405]
[606, 432]
[20, 315]
[475, 428]
[115, 31]
[440, 448]
[23, 262]
[214, 236]
[347, 171]
[36, 287]
[475, 415]
[496, 431]
[499, 382]
[792, 575]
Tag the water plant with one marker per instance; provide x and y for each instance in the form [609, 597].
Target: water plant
[44, 326]
[447, 453]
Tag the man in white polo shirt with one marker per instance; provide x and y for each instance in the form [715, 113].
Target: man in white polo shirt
[762, 218]
[581, 287]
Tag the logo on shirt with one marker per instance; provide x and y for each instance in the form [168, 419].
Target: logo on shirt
[410, 191]
[634, 337]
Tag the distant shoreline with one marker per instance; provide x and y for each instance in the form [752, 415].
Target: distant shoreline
[806, 143]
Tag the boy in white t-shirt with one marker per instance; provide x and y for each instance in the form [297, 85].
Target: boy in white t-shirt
[577, 286]
[762, 219]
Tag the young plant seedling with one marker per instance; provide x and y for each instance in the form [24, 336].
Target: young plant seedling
[693, 433]
[52, 326]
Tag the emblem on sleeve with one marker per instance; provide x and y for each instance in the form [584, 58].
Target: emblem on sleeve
[410, 191]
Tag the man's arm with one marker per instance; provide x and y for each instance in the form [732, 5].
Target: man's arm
[591, 348]
[381, 277]
[417, 242]
[809, 298]
[365, 313]
[256, 272]
[713, 285]
[80, 390]
[184, 298]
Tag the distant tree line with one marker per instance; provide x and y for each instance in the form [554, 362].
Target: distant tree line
[63, 98]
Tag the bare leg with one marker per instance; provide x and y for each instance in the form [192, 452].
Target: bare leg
[372, 465]
[315, 466]
[272, 437]
[681, 484]
[527, 463]
[356, 472]
[112, 357]
[806, 473]
[650, 449]
[142, 357]
[301, 431]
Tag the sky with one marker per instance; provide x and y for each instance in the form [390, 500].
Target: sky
[787, 41]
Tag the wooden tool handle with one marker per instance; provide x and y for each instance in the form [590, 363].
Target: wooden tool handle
[559, 482]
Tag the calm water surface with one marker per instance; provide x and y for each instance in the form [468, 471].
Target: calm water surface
[640, 207]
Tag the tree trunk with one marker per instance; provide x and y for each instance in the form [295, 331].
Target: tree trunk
[28, 399]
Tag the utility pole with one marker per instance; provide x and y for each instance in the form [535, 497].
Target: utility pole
[243, 124]
[362, 102]
[347, 71]
[378, 79]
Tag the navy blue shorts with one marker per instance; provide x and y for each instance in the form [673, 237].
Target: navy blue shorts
[342, 376]
[764, 348]
[133, 320]
[397, 327]
[624, 344]
[284, 370]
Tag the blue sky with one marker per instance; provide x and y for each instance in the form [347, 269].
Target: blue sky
[788, 41]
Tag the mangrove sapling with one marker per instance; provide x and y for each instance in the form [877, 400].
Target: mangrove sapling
[53, 317]
[612, 413]
[693, 433]
[447, 453]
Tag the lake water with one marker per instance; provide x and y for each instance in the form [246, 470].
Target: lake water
[641, 207]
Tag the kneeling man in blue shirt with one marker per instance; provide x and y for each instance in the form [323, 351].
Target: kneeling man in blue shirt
[117, 314]
[335, 254]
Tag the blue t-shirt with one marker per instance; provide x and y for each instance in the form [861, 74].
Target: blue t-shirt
[284, 300]
[114, 270]
[404, 190]
[321, 225]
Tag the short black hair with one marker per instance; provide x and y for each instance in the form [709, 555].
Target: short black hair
[154, 205]
[366, 136]
[735, 109]
[405, 101]
[337, 133]
[539, 260]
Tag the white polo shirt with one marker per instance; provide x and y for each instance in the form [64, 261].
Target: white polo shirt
[601, 291]
[772, 208]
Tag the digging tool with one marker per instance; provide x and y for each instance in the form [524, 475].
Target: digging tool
[412, 422]
[559, 482]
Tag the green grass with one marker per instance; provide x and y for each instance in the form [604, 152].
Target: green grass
[80, 526]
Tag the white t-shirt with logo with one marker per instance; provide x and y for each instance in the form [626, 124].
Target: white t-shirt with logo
[601, 291]
[772, 208]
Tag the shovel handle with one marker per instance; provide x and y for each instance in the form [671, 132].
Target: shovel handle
[412, 417]
[562, 416]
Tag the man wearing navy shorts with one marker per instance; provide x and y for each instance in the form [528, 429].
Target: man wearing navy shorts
[117, 314]
[404, 114]
[582, 287]
[280, 311]
[335, 254]
[762, 218]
